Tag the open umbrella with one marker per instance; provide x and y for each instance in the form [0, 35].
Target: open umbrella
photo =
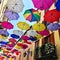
[24, 46]
[52, 16]
[15, 5]
[25, 37]
[11, 15]
[43, 4]
[15, 36]
[23, 25]
[18, 32]
[4, 32]
[7, 25]
[53, 26]
[32, 15]
[44, 33]
[58, 5]
[32, 33]
[38, 27]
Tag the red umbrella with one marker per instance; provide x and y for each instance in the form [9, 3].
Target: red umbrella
[7, 25]
[12, 40]
[52, 16]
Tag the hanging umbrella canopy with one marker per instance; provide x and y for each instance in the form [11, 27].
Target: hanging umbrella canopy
[53, 26]
[7, 25]
[38, 36]
[23, 25]
[58, 5]
[15, 5]
[12, 40]
[44, 33]
[15, 36]
[24, 46]
[11, 15]
[4, 32]
[25, 37]
[38, 27]
[18, 32]
[43, 4]
[32, 15]
[52, 16]
[32, 33]
[33, 38]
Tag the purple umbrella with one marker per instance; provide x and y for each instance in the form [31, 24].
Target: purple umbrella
[43, 4]
[53, 26]
[4, 32]
[11, 15]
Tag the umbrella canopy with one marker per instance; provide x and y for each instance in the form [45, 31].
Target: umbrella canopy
[11, 15]
[53, 26]
[43, 4]
[12, 40]
[7, 25]
[18, 32]
[32, 15]
[15, 36]
[25, 37]
[24, 46]
[33, 38]
[15, 5]
[23, 25]
[58, 5]
[44, 33]
[4, 32]
[52, 16]
[38, 36]
[38, 27]
[32, 33]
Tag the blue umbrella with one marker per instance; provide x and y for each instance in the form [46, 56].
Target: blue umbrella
[15, 36]
[53, 26]
[58, 5]
[11, 15]
[33, 38]
[3, 42]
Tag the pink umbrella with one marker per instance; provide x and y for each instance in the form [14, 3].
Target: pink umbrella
[44, 32]
[7, 25]
[43, 4]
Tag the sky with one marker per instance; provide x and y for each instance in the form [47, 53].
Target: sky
[27, 5]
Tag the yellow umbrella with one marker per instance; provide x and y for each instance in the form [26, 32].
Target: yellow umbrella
[23, 25]
[38, 27]
[18, 47]
[38, 36]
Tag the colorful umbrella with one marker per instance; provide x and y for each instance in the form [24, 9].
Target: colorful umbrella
[32, 15]
[38, 36]
[15, 5]
[32, 33]
[4, 32]
[58, 5]
[44, 33]
[52, 16]
[12, 40]
[23, 25]
[11, 15]
[25, 37]
[18, 32]
[15, 36]
[33, 38]
[43, 4]
[38, 27]
[24, 46]
[53, 26]
[7, 25]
